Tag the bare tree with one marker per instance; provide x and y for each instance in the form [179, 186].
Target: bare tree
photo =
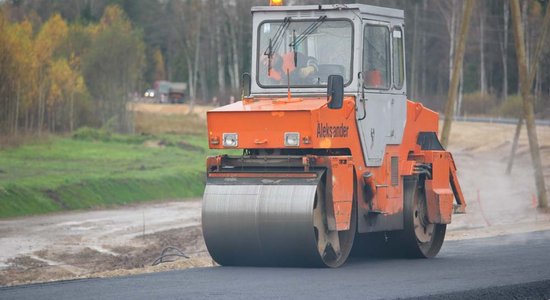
[504, 51]
[531, 76]
[482, 75]
[459, 56]
[528, 109]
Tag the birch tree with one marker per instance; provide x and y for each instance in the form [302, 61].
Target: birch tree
[113, 67]
[49, 38]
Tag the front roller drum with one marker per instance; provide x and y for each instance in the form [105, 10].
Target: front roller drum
[266, 224]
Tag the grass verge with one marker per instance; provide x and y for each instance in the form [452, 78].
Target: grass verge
[94, 168]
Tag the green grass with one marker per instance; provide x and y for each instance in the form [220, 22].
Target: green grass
[99, 169]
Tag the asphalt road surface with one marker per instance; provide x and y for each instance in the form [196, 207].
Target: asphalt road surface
[505, 267]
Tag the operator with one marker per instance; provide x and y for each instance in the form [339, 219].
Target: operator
[302, 73]
[373, 78]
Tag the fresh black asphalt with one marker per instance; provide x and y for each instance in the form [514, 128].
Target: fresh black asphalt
[513, 267]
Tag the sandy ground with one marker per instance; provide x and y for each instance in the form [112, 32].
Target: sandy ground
[497, 203]
[127, 240]
[100, 243]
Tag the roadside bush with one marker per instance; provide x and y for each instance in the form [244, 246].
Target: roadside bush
[511, 108]
[92, 134]
[104, 135]
[478, 103]
[542, 107]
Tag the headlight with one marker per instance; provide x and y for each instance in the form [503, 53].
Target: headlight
[230, 139]
[292, 139]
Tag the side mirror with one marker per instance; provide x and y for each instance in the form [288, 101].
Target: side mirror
[335, 91]
[246, 84]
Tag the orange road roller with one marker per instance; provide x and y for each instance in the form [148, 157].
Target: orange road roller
[334, 156]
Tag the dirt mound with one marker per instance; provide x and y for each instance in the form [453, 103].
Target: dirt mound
[48, 265]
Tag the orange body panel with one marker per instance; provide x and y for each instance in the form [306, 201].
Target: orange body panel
[457, 191]
[342, 184]
[262, 122]
[388, 198]
[439, 196]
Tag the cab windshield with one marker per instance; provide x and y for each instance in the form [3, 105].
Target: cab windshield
[304, 53]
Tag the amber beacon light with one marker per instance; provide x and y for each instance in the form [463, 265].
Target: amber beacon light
[275, 2]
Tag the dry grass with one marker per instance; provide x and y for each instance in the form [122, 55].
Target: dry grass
[169, 109]
[14, 141]
[159, 123]
[175, 119]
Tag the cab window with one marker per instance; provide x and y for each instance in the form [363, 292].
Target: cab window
[376, 57]
[398, 62]
[303, 53]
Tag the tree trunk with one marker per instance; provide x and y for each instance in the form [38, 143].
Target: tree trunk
[203, 80]
[31, 121]
[528, 109]
[196, 63]
[71, 113]
[235, 52]
[27, 120]
[504, 50]
[460, 94]
[483, 76]
[52, 121]
[17, 104]
[413, 54]
[41, 109]
[540, 45]
[457, 68]
[526, 28]
[424, 55]
[229, 62]
[452, 38]
[191, 79]
[524, 22]
[221, 65]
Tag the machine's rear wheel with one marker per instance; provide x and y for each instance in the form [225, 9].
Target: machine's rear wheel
[419, 238]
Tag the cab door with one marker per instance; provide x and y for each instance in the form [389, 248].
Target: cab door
[381, 113]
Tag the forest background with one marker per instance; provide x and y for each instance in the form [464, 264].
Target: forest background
[68, 64]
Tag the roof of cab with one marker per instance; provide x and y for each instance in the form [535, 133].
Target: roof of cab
[363, 8]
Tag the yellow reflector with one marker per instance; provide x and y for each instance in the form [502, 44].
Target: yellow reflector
[275, 2]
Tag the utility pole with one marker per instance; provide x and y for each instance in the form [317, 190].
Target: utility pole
[528, 107]
[532, 72]
[457, 68]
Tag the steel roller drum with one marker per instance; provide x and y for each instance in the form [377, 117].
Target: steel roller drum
[261, 225]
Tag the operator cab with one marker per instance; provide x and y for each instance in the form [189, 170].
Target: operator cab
[299, 47]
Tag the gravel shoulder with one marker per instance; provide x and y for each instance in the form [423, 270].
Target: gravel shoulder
[100, 243]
